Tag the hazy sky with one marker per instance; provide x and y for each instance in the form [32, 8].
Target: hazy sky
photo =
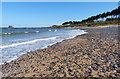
[50, 13]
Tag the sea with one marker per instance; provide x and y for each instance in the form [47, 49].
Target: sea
[16, 42]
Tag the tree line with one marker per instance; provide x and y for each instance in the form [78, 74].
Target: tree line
[106, 16]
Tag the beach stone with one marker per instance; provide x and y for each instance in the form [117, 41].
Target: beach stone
[76, 57]
[70, 69]
[74, 52]
[64, 61]
[88, 55]
[98, 64]
[95, 68]
[50, 68]
[90, 75]
[89, 50]
[55, 56]
[89, 67]
[107, 69]
[68, 54]
[118, 64]
[61, 68]
[112, 75]
[32, 67]
[115, 66]
[43, 64]
[69, 60]
[118, 71]
[53, 63]
[101, 76]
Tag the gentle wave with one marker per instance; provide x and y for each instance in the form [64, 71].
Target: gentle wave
[28, 42]
[52, 30]
[22, 32]
[17, 33]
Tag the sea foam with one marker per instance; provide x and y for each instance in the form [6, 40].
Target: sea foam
[27, 42]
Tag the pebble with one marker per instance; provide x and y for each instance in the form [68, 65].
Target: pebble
[67, 59]
[60, 68]
[95, 68]
[64, 61]
[70, 69]
[50, 68]
[115, 66]
[118, 71]
[53, 63]
[74, 52]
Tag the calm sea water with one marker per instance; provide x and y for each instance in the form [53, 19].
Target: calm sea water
[16, 42]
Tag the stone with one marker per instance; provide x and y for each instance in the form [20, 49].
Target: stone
[53, 63]
[70, 69]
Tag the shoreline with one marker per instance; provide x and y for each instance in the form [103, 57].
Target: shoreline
[52, 27]
[57, 52]
[47, 45]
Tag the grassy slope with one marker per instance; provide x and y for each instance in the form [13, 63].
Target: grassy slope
[114, 22]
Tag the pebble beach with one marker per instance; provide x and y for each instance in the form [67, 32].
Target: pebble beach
[93, 54]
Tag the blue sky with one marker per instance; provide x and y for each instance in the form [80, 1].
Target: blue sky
[60, 0]
[50, 13]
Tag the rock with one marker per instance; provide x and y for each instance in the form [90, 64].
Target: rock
[34, 75]
[64, 61]
[95, 68]
[112, 75]
[98, 64]
[115, 66]
[68, 53]
[118, 64]
[32, 67]
[89, 50]
[88, 72]
[101, 76]
[10, 26]
[76, 57]
[70, 69]
[53, 63]
[89, 67]
[118, 71]
[61, 68]
[88, 54]
[50, 68]
[74, 52]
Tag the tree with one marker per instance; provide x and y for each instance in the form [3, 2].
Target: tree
[115, 14]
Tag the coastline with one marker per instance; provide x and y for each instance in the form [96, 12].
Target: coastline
[80, 56]
[93, 26]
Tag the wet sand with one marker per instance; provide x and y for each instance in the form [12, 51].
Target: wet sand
[94, 54]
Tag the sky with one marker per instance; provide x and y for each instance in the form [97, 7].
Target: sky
[50, 13]
[60, 0]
